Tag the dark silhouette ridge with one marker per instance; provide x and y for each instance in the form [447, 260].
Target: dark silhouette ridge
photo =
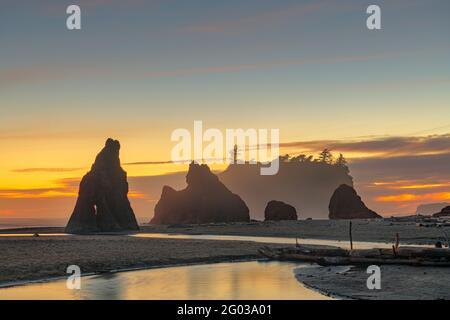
[431, 208]
[102, 204]
[444, 212]
[346, 204]
[304, 184]
[278, 210]
[204, 200]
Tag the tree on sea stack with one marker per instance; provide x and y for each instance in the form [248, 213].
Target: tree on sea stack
[325, 156]
[342, 162]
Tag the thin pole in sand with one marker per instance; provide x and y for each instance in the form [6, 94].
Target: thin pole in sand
[397, 240]
[350, 234]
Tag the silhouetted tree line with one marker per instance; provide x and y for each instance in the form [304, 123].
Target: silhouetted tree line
[324, 157]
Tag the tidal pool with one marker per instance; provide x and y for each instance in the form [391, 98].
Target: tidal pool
[230, 281]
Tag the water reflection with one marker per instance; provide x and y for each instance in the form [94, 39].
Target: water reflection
[278, 240]
[233, 281]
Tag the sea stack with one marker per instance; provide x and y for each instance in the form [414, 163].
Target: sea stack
[204, 200]
[445, 212]
[102, 204]
[278, 210]
[346, 204]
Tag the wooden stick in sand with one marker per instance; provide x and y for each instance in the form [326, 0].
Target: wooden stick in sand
[350, 234]
[397, 240]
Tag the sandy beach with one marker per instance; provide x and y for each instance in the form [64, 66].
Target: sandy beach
[363, 230]
[37, 258]
[30, 258]
[397, 282]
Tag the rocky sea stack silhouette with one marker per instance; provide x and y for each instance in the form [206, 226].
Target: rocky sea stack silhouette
[278, 210]
[444, 212]
[102, 204]
[204, 200]
[431, 208]
[346, 204]
[308, 186]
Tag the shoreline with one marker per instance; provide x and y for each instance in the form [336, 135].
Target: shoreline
[380, 231]
[397, 282]
[320, 290]
[26, 259]
[130, 269]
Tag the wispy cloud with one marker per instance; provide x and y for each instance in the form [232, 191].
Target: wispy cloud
[36, 193]
[7, 212]
[257, 20]
[55, 8]
[34, 170]
[30, 75]
[386, 147]
[268, 65]
[39, 74]
[64, 188]
[147, 163]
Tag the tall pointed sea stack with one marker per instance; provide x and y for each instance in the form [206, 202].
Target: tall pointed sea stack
[205, 200]
[102, 204]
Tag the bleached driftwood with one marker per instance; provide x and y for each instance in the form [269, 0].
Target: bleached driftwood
[415, 256]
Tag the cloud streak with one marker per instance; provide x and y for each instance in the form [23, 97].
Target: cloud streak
[42, 74]
[34, 170]
[257, 20]
[386, 147]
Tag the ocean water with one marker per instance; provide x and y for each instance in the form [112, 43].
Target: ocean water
[13, 223]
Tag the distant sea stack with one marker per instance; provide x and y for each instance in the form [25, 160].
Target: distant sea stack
[204, 200]
[102, 204]
[431, 208]
[346, 204]
[444, 213]
[307, 185]
[278, 210]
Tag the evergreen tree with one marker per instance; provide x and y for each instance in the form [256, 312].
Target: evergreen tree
[299, 158]
[284, 158]
[342, 162]
[325, 156]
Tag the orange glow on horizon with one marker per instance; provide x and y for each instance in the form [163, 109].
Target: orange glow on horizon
[407, 197]
[7, 212]
[406, 184]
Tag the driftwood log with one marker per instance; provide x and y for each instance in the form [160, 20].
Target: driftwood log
[414, 256]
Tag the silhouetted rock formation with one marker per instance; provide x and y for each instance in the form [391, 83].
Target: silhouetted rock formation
[346, 204]
[278, 210]
[205, 200]
[307, 186]
[431, 208]
[444, 212]
[102, 204]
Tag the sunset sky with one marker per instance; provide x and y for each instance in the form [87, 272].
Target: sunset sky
[137, 71]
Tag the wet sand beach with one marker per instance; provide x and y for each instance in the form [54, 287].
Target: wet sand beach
[36, 258]
[363, 230]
